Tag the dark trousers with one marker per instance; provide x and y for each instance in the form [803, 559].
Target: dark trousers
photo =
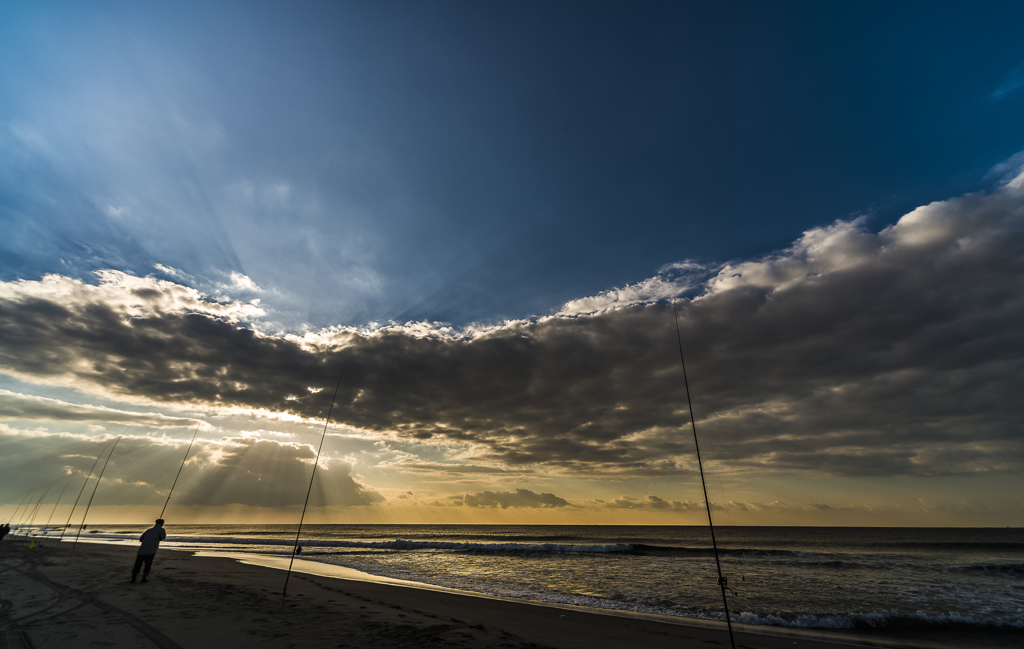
[139, 560]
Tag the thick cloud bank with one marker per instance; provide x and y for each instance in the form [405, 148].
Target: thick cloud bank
[851, 352]
[227, 471]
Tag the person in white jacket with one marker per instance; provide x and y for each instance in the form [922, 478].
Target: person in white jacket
[150, 540]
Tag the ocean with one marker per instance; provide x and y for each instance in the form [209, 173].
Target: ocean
[935, 583]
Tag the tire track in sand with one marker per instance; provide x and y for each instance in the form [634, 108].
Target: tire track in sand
[153, 635]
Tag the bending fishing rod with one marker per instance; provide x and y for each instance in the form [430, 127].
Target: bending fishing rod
[30, 517]
[35, 510]
[94, 490]
[18, 522]
[19, 519]
[722, 581]
[82, 490]
[284, 591]
[181, 467]
[24, 522]
[54, 510]
[14, 516]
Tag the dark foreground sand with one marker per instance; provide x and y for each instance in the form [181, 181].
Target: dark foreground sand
[51, 599]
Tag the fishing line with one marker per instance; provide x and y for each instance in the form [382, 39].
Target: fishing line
[284, 592]
[722, 582]
[14, 516]
[54, 510]
[35, 510]
[21, 519]
[94, 490]
[28, 516]
[181, 467]
[80, 491]
[18, 508]
[716, 471]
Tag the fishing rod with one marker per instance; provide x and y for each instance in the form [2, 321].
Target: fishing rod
[29, 515]
[94, 490]
[54, 510]
[32, 517]
[20, 523]
[14, 517]
[714, 459]
[284, 591]
[181, 467]
[722, 581]
[82, 490]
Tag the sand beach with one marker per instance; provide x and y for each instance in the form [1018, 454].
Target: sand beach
[53, 599]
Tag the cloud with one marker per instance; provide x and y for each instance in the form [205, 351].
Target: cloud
[654, 503]
[126, 295]
[23, 407]
[414, 465]
[270, 473]
[1013, 82]
[851, 352]
[225, 471]
[235, 284]
[514, 498]
[1008, 170]
[673, 281]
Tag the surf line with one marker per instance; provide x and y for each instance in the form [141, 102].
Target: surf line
[295, 548]
[94, 490]
[722, 581]
[82, 490]
[181, 467]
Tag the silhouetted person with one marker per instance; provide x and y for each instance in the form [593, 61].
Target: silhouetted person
[4, 531]
[150, 540]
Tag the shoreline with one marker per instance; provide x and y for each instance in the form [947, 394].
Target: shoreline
[828, 637]
[207, 598]
[332, 571]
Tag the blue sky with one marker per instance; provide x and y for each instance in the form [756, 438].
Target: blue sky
[269, 185]
[476, 161]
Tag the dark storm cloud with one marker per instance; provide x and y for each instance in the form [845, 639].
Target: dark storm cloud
[218, 472]
[514, 498]
[851, 352]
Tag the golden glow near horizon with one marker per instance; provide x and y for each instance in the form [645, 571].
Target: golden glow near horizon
[373, 481]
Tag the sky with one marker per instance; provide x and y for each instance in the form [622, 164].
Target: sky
[479, 222]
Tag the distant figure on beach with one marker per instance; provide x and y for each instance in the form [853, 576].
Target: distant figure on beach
[150, 540]
[4, 530]
[298, 549]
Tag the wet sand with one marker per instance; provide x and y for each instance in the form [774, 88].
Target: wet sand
[53, 599]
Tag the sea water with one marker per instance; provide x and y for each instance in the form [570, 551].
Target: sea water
[902, 581]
